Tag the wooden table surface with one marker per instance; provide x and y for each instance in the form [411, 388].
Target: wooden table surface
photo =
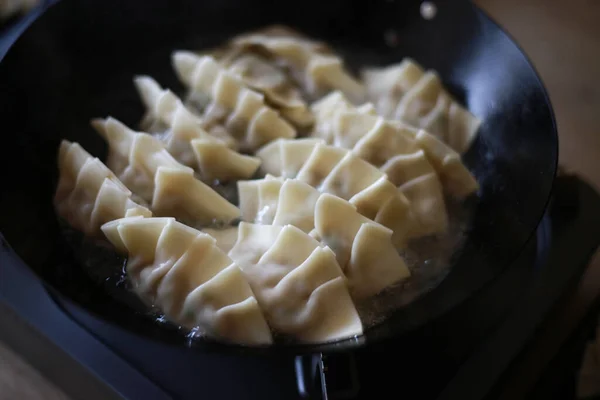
[562, 38]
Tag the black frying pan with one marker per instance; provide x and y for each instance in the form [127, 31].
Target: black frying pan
[77, 62]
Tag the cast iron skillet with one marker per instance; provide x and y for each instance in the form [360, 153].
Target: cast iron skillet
[77, 62]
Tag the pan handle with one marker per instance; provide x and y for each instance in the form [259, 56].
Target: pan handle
[327, 377]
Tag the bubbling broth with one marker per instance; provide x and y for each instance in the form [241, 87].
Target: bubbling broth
[280, 198]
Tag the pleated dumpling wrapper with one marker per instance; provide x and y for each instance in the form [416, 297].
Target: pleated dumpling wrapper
[364, 249]
[298, 283]
[339, 172]
[378, 141]
[408, 93]
[181, 271]
[264, 76]
[184, 138]
[88, 193]
[146, 167]
[314, 67]
[241, 110]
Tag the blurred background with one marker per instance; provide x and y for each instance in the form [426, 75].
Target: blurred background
[562, 38]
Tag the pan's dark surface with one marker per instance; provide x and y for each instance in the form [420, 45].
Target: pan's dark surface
[77, 62]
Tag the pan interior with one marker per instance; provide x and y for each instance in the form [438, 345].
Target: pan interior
[77, 62]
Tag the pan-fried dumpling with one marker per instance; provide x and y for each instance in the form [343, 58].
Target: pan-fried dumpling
[363, 248]
[278, 202]
[454, 175]
[175, 124]
[217, 162]
[182, 271]
[88, 193]
[386, 86]
[337, 171]
[325, 110]
[188, 142]
[298, 284]
[407, 93]
[240, 109]
[262, 75]
[417, 180]
[377, 140]
[337, 224]
[248, 194]
[315, 69]
[145, 166]
[225, 237]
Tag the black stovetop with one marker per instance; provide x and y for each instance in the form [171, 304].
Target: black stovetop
[463, 355]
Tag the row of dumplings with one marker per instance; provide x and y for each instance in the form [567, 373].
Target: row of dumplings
[318, 233]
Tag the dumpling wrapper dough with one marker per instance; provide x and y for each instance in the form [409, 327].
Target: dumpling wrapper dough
[88, 193]
[148, 169]
[337, 171]
[217, 162]
[185, 139]
[407, 93]
[241, 110]
[386, 86]
[183, 272]
[316, 70]
[298, 284]
[262, 75]
[175, 124]
[363, 248]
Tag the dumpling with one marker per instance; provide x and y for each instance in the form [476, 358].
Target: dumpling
[325, 110]
[262, 75]
[337, 224]
[454, 175]
[407, 93]
[363, 248]
[386, 86]
[88, 193]
[313, 66]
[456, 178]
[172, 121]
[298, 284]
[240, 109]
[278, 202]
[144, 166]
[182, 271]
[225, 237]
[417, 180]
[377, 140]
[186, 140]
[338, 171]
[217, 162]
